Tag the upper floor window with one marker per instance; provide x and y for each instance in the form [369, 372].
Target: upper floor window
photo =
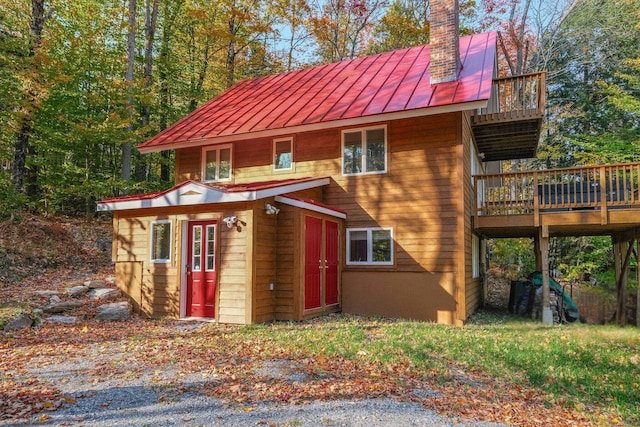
[364, 151]
[369, 246]
[476, 164]
[161, 241]
[216, 163]
[283, 154]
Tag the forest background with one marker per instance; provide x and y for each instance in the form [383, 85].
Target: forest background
[83, 82]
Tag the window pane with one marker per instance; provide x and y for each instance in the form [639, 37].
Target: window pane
[210, 166]
[375, 150]
[211, 247]
[352, 153]
[357, 246]
[161, 241]
[225, 163]
[283, 155]
[381, 245]
[197, 244]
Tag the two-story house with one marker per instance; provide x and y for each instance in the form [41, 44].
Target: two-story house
[345, 186]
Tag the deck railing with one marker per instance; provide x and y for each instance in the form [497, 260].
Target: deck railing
[589, 187]
[515, 97]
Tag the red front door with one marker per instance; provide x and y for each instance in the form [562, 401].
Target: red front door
[201, 269]
[312, 262]
[321, 263]
[332, 261]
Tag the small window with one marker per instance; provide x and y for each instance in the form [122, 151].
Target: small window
[161, 241]
[216, 164]
[364, 151]
[369, 246]
[283, 154]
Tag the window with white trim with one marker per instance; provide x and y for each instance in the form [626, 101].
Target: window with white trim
[160, 241]
[475, 256]
[369, 246]
[216, 163]
[364, 151]
[283, 154]
[476, 164]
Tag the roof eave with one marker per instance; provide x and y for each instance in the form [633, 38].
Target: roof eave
[357, 121]
[196, 193]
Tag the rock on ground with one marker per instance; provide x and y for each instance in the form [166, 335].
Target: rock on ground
[21, 321]
[116, 311]
[107, 294]
[62, 306]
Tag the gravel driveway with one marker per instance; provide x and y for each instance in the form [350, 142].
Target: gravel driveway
[143, 402]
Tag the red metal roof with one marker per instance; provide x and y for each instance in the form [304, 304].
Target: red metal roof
[333, 95]
[193, 192]
[311, 202]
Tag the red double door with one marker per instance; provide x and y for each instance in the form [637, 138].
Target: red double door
[201, 269]
[321, 263]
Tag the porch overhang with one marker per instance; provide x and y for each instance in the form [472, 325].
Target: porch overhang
[311, 205]
[196, 193]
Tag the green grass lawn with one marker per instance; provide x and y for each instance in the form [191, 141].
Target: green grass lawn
[495, 368]
[579, 366]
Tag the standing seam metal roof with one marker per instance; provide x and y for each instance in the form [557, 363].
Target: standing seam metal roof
[371, 86]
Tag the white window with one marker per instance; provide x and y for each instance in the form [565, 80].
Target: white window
[475, 256]
[216, 163]
[364, 151]
[283, 154]
[161, 241]
[370, 246]
[476, 164]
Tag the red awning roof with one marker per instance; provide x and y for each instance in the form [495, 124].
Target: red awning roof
[349, 92]
[310, 204]
[197, 193]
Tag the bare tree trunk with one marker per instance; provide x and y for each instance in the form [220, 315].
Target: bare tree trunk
[131, 51]
[231, 58]
[20, 153]
[164, 90]
[22, 148]
[150, 19]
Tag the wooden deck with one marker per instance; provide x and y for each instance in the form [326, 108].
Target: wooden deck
[593, 200]
[509, 127]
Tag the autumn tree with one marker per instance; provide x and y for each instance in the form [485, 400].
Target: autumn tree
[33, 90]
[406, 23]
[342, 27]
[291, 16]
[592, 78]
[521, 25]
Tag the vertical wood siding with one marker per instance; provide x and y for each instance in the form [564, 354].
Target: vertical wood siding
[155, 287]
[472, 286]
[420, 197]
[286, 275]
[264, 299]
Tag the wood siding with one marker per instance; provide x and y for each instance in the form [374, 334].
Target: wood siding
[425, 197]
[156, 287]
[287, 272]
[472, 286]
[264, 299]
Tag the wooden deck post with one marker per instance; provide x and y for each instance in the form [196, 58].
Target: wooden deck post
[622, 246]
[536, 250]
[547, 316]
[603, 196]
[637, 254]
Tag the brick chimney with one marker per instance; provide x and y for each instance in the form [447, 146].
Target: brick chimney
[445, 45]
